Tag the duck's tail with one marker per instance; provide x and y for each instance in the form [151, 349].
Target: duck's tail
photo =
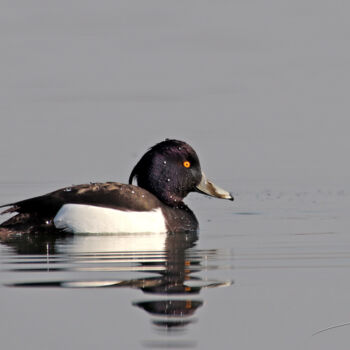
[13, 208]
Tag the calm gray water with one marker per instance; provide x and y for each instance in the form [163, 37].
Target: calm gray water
[269, 278]
[260, 90]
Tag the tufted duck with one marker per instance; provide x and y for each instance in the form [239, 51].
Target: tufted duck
[165, 175]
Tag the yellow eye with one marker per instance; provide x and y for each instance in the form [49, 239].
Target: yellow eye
[186, 164]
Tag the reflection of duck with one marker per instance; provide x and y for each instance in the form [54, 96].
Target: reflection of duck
[169, 260]
[165, 175]
[173, 261]
[38, 243]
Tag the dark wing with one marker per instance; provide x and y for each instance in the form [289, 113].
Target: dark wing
[109, 194]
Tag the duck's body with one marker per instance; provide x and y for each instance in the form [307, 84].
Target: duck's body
[165, 175]
[100, 207]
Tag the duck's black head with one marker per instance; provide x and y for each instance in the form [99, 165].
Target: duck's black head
[170, 170]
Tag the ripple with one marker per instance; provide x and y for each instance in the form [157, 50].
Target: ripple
[162, 269]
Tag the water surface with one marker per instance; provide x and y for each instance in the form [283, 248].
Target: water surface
[260, 90]
[271, 280]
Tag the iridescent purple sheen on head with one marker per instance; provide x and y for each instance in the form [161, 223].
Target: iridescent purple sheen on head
[161, 171]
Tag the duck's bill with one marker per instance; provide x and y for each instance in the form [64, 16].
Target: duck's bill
[208, 188]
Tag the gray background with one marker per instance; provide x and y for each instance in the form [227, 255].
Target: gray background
[259, 88]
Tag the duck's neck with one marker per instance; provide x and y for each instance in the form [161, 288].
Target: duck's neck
[180, 218]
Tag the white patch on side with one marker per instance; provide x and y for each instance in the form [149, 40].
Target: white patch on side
[81, 218]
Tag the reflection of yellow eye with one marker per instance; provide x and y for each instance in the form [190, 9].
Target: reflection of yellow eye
[186, 164]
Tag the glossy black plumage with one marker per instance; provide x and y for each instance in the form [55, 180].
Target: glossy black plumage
[163, 181]
[161, 171]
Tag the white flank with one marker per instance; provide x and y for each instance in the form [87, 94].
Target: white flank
[81, 218]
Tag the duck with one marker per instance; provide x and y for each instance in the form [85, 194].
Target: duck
[165, 175]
